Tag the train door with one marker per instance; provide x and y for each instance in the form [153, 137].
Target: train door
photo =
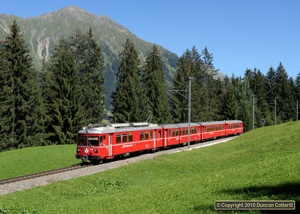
[110, 138]
[103, 140]
[165, 137]
[158, 136]
[154, 139]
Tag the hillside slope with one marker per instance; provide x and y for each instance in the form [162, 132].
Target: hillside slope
[259, 165]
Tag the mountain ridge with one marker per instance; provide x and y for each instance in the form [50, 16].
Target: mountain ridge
[43, 32]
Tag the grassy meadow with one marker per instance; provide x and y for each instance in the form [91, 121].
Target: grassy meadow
[26, 161]
[259, 165]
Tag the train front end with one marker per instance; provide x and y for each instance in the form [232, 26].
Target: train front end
[91, 145]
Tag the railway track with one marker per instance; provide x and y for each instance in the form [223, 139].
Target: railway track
[41, 174]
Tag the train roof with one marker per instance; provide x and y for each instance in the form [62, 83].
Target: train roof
[177, 125]
[117, 127]
[139, 126]
[220, 122]
[233, 121]
[212, 123]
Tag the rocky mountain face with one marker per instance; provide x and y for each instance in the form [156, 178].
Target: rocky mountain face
[43, 32]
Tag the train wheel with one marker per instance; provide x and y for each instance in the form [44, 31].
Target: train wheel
[85, 159]
[96, 162]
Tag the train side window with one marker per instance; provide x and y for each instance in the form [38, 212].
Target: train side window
[142, 136]
[101, 140]
[151, 135]
[159, 134]
[176, 132]
[130, 138]
[124, 138]
[118, 138]
[146, 135]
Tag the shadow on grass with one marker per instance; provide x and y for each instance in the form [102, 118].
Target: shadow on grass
[286, 191]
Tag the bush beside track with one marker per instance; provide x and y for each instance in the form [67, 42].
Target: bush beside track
[259, 165]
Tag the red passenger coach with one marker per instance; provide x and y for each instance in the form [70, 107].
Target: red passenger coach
[234, 127]
[175, 134]
[212, 130]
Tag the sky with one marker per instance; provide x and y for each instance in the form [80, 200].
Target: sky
[240, 34]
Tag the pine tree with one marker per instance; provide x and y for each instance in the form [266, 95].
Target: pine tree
[291, 110]
[270, 89]
[297, 89]
[243, 95]
[90, 62]
[154, 84]
[7, 112]
[229, 102]
[201, 110]
[64, 99]
[22, 113]
[282, 93]
[297, 84]
[205, 90]
[179, 99]
[208, 59]
[128, 101]
[213, 85]
[263, 111]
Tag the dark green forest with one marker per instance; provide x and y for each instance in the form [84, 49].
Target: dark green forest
[50, 106]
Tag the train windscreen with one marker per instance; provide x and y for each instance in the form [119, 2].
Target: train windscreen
[93, 141]
[81, 141]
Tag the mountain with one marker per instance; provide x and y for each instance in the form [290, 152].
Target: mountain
[43, 32]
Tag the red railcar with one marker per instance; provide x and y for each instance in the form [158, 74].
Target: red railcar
[105, 141]
[99, 141]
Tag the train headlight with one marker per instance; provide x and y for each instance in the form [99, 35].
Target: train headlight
[95, 150]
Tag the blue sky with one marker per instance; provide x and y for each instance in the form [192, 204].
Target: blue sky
[240, 34]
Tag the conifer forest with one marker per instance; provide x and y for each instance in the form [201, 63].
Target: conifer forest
[49, 106]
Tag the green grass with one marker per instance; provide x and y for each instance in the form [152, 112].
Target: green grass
[260, 165]
[36, 159]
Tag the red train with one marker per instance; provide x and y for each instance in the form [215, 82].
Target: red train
[97, 142]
